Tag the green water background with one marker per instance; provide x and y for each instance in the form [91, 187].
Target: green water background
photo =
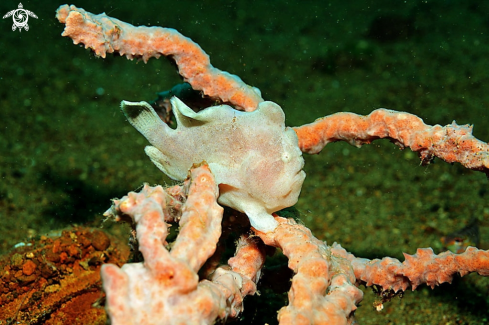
[66, 149]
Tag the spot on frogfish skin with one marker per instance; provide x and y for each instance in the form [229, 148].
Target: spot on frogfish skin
[255, 159]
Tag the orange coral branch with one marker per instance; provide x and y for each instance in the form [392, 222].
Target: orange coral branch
[200, 222]
[248, 260]
[452, 143]
[105, 34]
[322, 291]
[422, 267]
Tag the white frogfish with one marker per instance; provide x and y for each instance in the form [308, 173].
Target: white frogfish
[255, 159]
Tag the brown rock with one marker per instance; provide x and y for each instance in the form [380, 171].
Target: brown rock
[26, 279]
[51, 294]
[100, 241]
[48, 271]
[73, 251]
[29, 267]
[84, 241]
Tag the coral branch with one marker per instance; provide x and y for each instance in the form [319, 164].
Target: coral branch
[245, 269]
[452, 143]
[322, 290]
[248, 260]
[165, 289]
[105, 34]
[200, 222]
[424, 267]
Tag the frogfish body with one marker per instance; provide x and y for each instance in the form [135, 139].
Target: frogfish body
[255, 159]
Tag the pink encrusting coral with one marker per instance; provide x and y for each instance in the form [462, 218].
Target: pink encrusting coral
[166, 288]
